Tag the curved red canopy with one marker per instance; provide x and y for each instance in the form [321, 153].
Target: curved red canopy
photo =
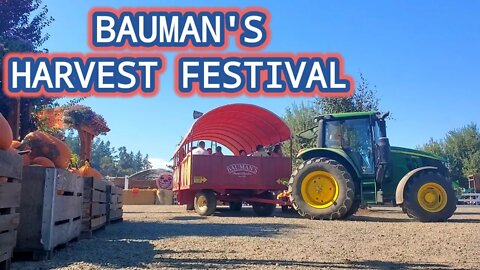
[239, 126]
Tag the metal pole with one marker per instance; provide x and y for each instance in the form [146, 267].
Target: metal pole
[126, 182]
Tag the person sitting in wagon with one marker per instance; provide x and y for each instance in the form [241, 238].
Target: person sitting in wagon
[218, 151]
[260, 152]
[277, 151]
[200, 150]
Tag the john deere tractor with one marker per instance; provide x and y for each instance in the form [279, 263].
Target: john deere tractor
[353, 164]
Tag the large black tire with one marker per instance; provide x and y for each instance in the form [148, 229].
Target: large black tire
[264, 209]
[235, 206]
[441, 209]
[205, 202]
[353, 209]
[340, 206]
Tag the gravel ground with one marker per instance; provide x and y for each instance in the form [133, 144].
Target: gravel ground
[168, 237]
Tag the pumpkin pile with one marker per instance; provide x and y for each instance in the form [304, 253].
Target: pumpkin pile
[87, 171]
[45, 150]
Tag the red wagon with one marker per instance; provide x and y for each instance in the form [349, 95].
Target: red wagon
[202, 180]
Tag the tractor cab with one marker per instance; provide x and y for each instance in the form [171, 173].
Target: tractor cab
[354, 155]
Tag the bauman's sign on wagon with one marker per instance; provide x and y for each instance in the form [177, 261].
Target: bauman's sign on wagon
[242, 170]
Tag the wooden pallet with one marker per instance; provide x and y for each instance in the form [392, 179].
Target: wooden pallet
[10, 189]
[50, 210]
[115, 202]
[94, 214]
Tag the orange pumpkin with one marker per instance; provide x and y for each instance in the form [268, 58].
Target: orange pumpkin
[43, 161]
[45, 145]
[87, 171]
[15, 144]
[6, 135]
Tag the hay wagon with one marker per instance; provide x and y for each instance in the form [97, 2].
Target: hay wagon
[201, 180]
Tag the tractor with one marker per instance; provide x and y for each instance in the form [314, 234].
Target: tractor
[353, 164]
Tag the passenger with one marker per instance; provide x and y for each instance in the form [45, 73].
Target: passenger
[260, 152]
[277, 151]
[242, 153]
[209, 150]
[218, 151]
[200, 150]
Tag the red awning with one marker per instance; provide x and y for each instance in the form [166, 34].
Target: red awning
[239, 126]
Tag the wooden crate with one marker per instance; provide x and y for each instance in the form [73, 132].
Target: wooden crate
[10, 189]
[115, 202]
[94, 214]
[50, 210]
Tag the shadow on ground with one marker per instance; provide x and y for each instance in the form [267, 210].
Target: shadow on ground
[186, 263]
[119, 243]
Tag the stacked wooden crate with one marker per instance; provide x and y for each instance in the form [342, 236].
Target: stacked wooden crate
[50, 210]
[115, 201]
[10, 189]
[95, 207]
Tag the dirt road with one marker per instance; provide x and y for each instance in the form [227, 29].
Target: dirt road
[168, 237]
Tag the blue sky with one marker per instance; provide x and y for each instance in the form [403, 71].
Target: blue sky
[423, 57]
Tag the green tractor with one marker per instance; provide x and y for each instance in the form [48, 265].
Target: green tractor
[354, 164]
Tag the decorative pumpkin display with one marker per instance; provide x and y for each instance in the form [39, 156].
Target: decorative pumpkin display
[45, 145]
[43, 161]
[6, 135]
[87, 171]
[15, 144]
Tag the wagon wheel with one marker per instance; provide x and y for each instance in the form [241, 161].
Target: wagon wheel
[205, 202]
[264, 209]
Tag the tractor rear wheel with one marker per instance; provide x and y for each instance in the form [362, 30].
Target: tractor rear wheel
[322, 188]
[235, 206]
[264, 209]
[205, 202]
[429, 197]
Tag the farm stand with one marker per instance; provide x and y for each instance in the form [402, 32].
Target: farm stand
[51, 210]
[10, 188]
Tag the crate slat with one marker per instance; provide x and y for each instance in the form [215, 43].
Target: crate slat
[9, 222]
[10, 165]
[10, 195]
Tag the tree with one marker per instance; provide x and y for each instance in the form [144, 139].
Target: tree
[363, 100]
[299, 117]
[21, 29]
[461, 148]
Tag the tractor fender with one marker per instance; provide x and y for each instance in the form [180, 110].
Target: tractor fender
[401, 185]
[332, 153]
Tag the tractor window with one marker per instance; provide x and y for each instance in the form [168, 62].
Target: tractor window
[354, 136]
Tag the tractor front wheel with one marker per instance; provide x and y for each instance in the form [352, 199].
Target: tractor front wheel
[322, 188]
[429, 197]
[205, 202]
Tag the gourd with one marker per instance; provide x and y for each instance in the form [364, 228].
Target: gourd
[43, 161]
[6, 135]
[87, 171]
[15, 144]
[45, 145]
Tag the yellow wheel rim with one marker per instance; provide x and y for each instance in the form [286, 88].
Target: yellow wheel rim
[432, 197]
[319, 189]
[202, 202]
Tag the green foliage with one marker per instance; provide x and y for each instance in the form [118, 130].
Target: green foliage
[21, 29]
[300, 117]
[363, 100]
[26, 20]
[461, 148]
[107, 160]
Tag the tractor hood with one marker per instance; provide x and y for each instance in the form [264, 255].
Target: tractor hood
[413, 152]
